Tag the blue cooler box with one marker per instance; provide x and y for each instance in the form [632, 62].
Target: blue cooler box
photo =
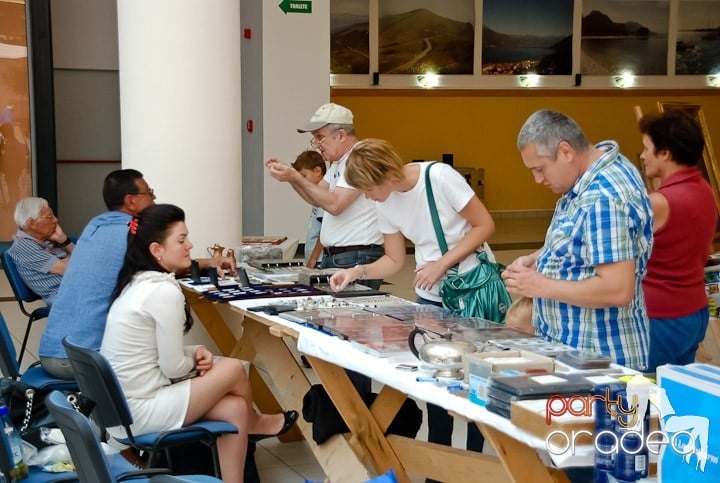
[693, 394]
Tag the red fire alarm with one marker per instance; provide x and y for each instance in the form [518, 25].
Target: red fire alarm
[247, 33]
[249, 125]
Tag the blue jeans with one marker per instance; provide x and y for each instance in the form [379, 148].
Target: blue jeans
[440, 423]
[355, 257]
[675, 341]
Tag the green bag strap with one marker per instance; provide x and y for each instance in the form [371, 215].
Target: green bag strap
[435, 217]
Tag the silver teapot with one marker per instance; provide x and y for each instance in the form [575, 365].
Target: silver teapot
[444, 352]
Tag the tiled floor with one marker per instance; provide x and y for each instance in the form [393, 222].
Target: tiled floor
[293, 462]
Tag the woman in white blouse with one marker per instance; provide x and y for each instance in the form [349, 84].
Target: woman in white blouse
[144, 343]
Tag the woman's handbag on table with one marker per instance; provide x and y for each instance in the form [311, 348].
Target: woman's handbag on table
[28, 412]
[479, 292]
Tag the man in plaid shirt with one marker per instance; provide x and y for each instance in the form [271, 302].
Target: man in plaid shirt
[586, 279]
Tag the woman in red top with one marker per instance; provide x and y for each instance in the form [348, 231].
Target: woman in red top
[685, 218]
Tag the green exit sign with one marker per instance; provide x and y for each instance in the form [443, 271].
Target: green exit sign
[296, 6]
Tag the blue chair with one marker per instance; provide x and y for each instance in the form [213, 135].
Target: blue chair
[35, 376]
[23, 294]
[97, 381]
[91, 463]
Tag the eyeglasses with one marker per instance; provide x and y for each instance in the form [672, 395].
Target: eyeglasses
[149, 192]
[317, 141]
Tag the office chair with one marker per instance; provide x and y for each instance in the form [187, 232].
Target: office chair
[97, 381]
[91, 463]
[35, 376]
[23, 294]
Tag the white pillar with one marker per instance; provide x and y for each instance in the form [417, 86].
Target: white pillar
[180, 109]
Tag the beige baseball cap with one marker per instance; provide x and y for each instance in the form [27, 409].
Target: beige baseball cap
[329, 113]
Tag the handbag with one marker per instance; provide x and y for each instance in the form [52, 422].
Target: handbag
[28, 411]
[479, 292]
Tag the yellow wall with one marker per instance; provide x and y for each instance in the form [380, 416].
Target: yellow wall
[480, 127]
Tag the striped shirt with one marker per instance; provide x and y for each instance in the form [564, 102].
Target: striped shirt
[34, 259]
[605, 218]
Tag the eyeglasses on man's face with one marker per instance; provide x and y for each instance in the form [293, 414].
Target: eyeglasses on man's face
[46, 216]
[318, 139]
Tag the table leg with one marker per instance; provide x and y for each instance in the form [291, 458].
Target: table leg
[520, 461]
[271, 354]
[357, 416]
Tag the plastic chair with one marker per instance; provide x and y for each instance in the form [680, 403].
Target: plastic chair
[91, 463]
[97, 381]
[23, 294]
[35, 376]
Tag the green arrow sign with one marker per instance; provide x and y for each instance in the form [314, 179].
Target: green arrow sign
[296, 6]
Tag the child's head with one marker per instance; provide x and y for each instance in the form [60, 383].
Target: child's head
[311, 165]
[519, 315]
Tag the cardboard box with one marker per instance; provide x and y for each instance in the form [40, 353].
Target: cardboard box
[479, 366]
[692, 404]
[530, 416]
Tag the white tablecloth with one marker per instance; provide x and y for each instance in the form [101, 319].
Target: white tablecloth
[340, 352]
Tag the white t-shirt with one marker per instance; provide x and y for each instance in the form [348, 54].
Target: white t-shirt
[357, 224]
[409, 214]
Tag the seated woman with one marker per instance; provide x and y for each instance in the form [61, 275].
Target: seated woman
[143, 342]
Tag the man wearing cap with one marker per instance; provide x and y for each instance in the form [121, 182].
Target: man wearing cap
[349, 230]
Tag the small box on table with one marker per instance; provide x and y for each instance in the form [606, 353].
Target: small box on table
[480, 366]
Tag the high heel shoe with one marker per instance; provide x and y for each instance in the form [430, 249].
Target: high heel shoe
[290, 419]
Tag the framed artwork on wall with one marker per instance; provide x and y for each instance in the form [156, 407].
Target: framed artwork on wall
[526, 36]
[500, 44]
[426, 36]
[622, 36]
[350, 37]
[697, 49]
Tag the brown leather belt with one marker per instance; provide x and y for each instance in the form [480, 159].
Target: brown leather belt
[351, 248]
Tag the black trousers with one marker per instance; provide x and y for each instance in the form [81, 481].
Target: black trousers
[440, 428]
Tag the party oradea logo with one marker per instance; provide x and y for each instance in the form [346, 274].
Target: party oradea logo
[687, 435]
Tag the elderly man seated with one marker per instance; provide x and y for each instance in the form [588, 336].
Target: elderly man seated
[40, 248]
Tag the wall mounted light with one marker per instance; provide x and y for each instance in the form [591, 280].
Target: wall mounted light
[624, 80]
[528, 80]
[427, 81]
[713, 80]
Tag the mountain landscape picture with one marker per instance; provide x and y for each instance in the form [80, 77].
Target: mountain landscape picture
[424, 36]
[526, 36]
[623, 36]
[349, 37]
[697, 49]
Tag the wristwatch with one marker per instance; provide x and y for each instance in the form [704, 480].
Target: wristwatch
[66, 242]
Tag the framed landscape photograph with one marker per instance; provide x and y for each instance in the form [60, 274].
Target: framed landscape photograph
[697, 49]
[622, 36]
[350, 37]
[527, 36]
[426, 36]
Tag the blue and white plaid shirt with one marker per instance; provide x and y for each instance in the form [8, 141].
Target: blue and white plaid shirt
[605, 218]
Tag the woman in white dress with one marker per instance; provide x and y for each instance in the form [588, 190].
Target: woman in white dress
[143, 342]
